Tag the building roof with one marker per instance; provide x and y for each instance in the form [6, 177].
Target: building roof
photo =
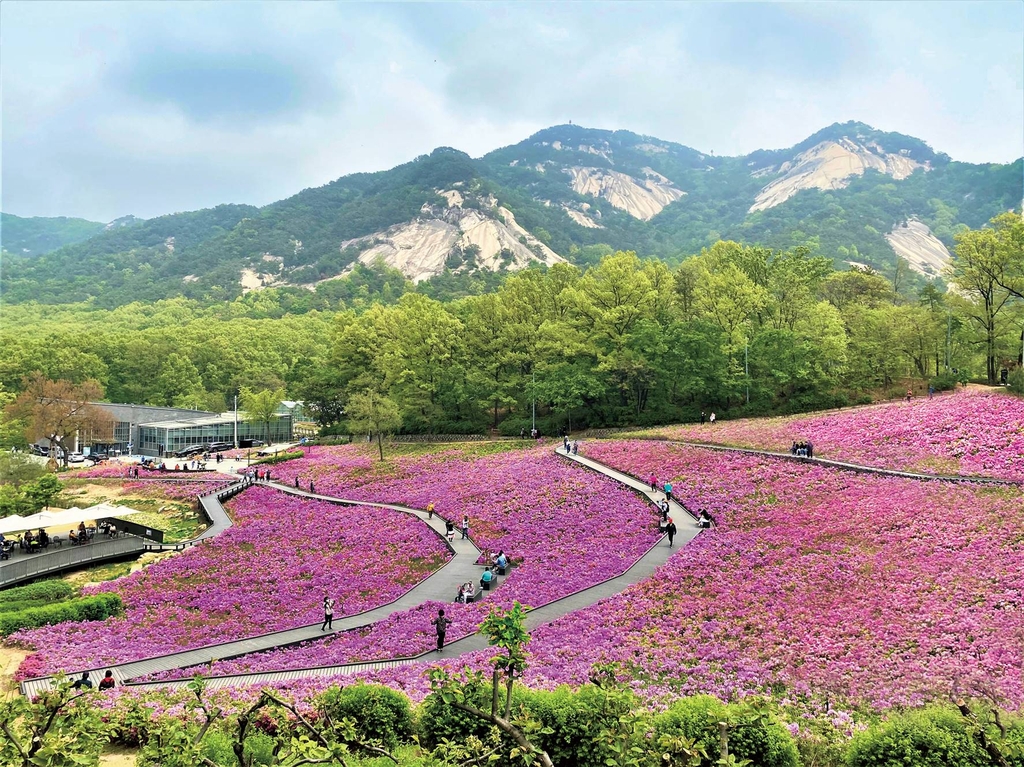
[148, 413]
[202, 419]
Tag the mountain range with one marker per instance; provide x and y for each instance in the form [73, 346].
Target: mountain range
[850, 192]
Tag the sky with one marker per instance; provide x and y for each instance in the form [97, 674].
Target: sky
[148, 108]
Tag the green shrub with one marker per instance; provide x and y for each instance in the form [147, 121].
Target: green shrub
[440, 721]
[380, 713]
[218, 748]
[94, 608]
[1015, 381]
[279, 458]
[42, 592]
[259, 749]
[697, 718]
[576, 719]
[931, 737]
[944, 382]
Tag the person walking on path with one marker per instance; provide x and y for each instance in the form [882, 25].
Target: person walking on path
[84, 683]
[296, 481]
[441, 624]
[465, 527]
[449, 529]
[654, 483]
[328, 614]
[576, 447]
[712, 418]
[430, 510]
[312, 490]
[565, 444]
[703, 417]
[668, 491]
[670, 531]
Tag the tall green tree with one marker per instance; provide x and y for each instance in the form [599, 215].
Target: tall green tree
[374, 414]
[261, 406]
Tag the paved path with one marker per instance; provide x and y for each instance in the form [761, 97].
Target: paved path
[846, 466]
[433, 588]
[440, 586]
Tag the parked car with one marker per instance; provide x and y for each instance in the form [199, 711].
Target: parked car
[75, 458]
[216, 447]
[190, 451]
[39, 450]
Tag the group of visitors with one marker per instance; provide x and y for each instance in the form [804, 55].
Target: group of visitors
[705, 417]
[82, 535]
[805, 449]
[84, 683]
[255, 474]
[572, 447]
[450, 528]
[467, 593]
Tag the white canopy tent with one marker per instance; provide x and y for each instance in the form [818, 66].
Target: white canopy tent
[59, 517]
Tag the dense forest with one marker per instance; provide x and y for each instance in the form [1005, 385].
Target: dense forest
[742, 329]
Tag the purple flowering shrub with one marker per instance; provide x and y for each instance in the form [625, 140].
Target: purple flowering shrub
[875, 589]
[564, 526]
[969, 432]
[266, 573]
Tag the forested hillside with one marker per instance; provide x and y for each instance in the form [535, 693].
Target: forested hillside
[32, 236]
[627, 340]
[565, 193]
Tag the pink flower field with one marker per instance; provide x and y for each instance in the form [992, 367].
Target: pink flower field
[877, 590]
[565, 527]
[266, 573]
[969, 432]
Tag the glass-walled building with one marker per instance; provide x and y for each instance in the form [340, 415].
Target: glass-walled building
[166, 437]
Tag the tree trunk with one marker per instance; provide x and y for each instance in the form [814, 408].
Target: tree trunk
[380, 444]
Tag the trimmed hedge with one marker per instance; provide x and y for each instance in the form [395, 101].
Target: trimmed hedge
[94, 608]
[279, 458]
[43, 592]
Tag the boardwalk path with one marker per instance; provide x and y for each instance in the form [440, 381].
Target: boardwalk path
[440, 586]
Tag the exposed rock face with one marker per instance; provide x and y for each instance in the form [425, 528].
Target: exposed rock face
[924, 251]
[421, 248]
[829, 165]
[640, 199]
[582, 218]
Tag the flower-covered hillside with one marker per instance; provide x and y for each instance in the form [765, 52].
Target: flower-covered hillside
[266, 573]
[817, 581]
[969, 432]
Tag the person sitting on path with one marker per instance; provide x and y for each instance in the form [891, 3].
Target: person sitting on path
[83, 683]
[328, 614]
[487, 576]
[705, 520]
[107, 682]
[670, 531]
[501, 561]
[441, 624]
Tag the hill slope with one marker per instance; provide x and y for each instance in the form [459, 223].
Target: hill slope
[849, 192]
[32, 236]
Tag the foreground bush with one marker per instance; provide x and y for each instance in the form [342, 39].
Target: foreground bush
[936, 736]
[380, 713]
[753, 736]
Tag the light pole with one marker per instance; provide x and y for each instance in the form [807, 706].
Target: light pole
[746, 367]
[236, 422]
[534, 387]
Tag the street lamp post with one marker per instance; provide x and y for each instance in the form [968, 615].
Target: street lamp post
[746, 367]
[534, 387]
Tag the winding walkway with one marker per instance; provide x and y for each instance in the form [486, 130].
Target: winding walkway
[847, 466]
[459, 569]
